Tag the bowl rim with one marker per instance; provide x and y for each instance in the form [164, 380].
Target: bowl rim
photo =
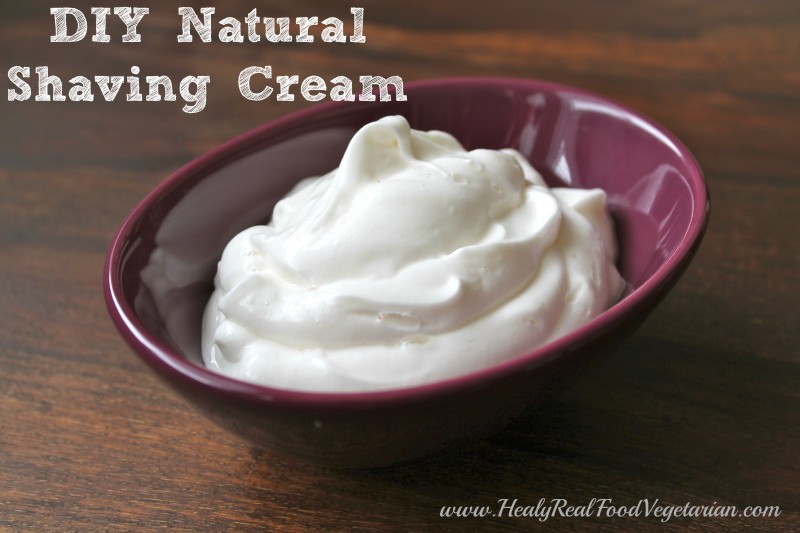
[168, 361]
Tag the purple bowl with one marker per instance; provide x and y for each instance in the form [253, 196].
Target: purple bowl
[160, 267]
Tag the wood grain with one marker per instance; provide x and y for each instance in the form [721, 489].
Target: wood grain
[702, 405]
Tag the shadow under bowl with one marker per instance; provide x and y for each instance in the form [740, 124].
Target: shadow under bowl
[160, 267]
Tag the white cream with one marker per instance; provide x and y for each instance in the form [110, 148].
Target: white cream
[414, 261]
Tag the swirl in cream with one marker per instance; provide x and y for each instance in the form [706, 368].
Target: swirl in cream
[414, 261]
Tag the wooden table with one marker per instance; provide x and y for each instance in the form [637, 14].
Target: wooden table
[701, 406]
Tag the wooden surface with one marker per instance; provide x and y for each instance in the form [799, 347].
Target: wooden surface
[702, 405]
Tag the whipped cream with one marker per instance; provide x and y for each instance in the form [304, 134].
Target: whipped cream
[414, 261]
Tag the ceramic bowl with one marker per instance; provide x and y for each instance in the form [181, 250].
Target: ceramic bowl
[160, 267]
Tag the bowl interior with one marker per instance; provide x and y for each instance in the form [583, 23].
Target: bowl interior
[161, 266]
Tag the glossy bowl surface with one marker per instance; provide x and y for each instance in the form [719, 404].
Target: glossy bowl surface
[160, 267]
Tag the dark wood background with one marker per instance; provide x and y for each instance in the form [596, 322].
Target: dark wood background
[702, 405]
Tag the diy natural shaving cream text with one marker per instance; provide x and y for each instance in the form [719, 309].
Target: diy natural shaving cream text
[255, 83]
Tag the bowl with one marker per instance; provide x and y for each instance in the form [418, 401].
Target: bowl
[160, 266]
